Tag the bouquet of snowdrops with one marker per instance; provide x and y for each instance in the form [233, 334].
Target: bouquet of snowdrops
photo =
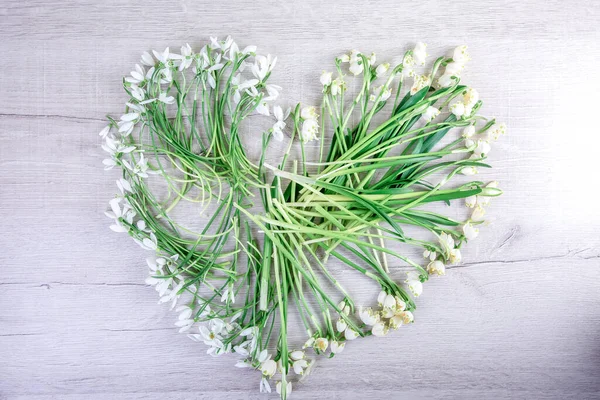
[239, 243]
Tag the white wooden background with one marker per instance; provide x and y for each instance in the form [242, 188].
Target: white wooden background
[519, 318]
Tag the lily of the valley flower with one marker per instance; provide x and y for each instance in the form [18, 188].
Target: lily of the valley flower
[413, 280]
[420, 53]
[470, 231]
[337, 347]
[430, 113]
[436, 268]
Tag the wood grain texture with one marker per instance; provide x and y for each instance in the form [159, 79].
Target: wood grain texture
[519, 318]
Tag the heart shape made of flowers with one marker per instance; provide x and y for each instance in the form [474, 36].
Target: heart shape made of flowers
[269, 231]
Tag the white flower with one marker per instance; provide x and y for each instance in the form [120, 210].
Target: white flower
[355, 61]
[119, 215]
[408, 66]
[469, 170]
[436, 268]
[471, 97]
[288, 388]
[446, 242]
[147, 59]
[497, 130]
[272, 92]
[124, 186]
[104, 132]
[262, 66]
[264, 386]
[431, 255]
[368, 316]
[379, 329]
[461, 55]
[378, 91]
[413, 280]
[407, 317]
[263, 108]
[297, 355]
[469, 131]
[140, 168]
[430, 113]
[212, 334]
[137, 93]
[381, 298]
[420, 53]
[341, 325]
[454, 69]
[389, 302]
[478, 213]
[455, 257]
[310, 130]
[458, 109]
[279, 125]
[471, 201]
[326, 78]
[483, 148]
[382, 69]
[321, 344]
[162, 57]
[337, 347]
[228, 295]
[421, 81]
[137, 76]
[338, 86]
[164, 98]
[299, 366]
[309, 112]
[470, 231]
[268, 368]
[350, 334]
[309, 343]
[445, 80]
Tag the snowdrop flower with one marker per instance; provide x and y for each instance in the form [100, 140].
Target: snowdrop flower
[321, 344]
[124, 186]
[337, 347]
[341, 325]
[378, 92]
[421, 81]
[288, 388]
[455, 257]
[420, 53]
[163, 98]
[263, 108]
[471, 201]
[140, 168]
[264, 386]
[137, 76]
[299, 366]
[309, 112]
[211, 335]
[497, 130]
[382, 69]
[461, 55]
[262, 66]
[468, 132]
[272, 92]
[338, 86]
[350, 334]
[325, 78]
[478, 213]
[279, 125]
[310, 130]
[297, 355]
[137, 93]
[470, 231]
[186, 57]
[104, 132]
[119, 214]
[430, 113]
[413, 280]
[368, 317]
[162, 57]
[428, 254]
[184, 322]
[228, 295]
[127, 123]
[436, 268]
[379, 329]
[147, 59]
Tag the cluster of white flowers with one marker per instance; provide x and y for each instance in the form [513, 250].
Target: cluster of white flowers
[478, 203]
[460, 57]
[334, 86]
[391, 315]
[480, 143]
[310, 124]
[450, 254]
